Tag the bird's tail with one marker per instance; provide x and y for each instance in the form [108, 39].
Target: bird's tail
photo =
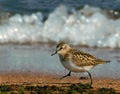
[100, 61]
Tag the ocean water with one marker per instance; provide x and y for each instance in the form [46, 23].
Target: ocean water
[93, 26]
[30, 28]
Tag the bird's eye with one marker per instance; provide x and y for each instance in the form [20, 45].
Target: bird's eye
[59, 48]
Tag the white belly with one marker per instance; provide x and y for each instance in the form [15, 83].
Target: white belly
[74, 68]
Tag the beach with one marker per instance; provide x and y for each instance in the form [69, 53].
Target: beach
[30, 31]
[17, 81]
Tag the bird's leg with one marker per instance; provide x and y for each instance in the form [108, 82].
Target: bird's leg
[69, 74]
[90, 77]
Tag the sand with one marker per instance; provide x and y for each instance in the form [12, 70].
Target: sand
[40, 79]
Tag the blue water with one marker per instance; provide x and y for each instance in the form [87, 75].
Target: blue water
[30, 6]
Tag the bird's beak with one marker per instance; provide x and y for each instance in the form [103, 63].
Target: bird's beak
[54, 53]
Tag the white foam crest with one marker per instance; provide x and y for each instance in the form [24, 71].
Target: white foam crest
[88, 26]
[21, 29]
[92, 29]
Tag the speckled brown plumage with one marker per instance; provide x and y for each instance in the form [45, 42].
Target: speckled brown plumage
[78, 57]
[84, 59]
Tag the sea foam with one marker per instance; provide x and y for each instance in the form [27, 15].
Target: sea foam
[89, 26]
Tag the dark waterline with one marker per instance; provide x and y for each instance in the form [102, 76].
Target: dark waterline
[46, 6]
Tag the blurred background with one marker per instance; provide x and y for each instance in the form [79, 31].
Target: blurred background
[30, 30]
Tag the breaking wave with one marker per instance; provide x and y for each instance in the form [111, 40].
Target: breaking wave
[89, 26]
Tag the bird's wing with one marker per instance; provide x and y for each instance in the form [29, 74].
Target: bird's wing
[84, 59]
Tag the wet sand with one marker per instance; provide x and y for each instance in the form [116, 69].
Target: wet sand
[38, 58]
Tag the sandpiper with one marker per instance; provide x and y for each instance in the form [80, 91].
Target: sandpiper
[75, 60]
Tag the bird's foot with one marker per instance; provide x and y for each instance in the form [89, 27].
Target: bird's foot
[83, 78]
[69, 74]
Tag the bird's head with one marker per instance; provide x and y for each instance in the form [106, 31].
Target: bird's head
[61, 49]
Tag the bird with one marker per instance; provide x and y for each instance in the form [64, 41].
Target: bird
[75, 60]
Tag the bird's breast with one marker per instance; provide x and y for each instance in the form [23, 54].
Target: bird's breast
[74, 68]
